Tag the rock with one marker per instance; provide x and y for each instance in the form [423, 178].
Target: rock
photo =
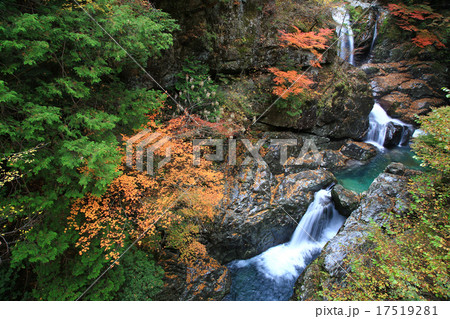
[406, 87]
[232, 37]
[345, 201]
[343, 113]
[329, 159]
[394, 102]
[397, 134]
[395, 168]
[388, 193]
[294, 150]
[304, 152]
[427, 103]
[370, 69]
[204, 279]
[358, 150]
[297, 190]
[333, 159]
[393, 134]
[262, 211]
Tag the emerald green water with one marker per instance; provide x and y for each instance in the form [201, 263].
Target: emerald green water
[359, 178]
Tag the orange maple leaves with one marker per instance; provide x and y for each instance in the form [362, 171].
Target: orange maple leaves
[311, 41]
[291, 83]
[171, 206]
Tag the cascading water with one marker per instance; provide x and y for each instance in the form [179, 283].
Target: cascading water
[375, 34]
[345, 34]
[271, 275]
[386, 131]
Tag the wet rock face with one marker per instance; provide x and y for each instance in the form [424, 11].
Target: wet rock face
[358, 150]
[388, 193]
[407, 87]
[263, 204]
[230, 36]
[397, 134]
[345, 201]
[262, 211]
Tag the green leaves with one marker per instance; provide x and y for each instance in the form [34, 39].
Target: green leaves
[66, 87]
[143, 278]
[197, 92]
[39, 246]
[433, 147]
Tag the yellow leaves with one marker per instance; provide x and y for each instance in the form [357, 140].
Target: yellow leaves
[179, 199]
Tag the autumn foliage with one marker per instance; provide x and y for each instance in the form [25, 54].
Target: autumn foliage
[311, 41]
[171, 206]
[411, 18]
[291, 83]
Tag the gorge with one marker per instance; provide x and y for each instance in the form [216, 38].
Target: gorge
[272, 274]
[224, 150]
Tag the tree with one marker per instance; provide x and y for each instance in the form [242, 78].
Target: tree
[172, 207]
[433, 148]
[66, 87]
[429, 28]
[291, 83]
[311, 41]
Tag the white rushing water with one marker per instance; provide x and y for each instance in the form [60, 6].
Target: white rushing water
[319, 224]
[375, 34]
[345, 33]
[379, 123]
[418, 132]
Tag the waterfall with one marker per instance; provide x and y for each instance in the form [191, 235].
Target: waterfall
[386, 131]
[375, 34]
[345, 34]
[315, 220]
[285, 262]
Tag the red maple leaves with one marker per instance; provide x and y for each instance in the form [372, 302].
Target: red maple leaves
[311, 41]
[408, 18]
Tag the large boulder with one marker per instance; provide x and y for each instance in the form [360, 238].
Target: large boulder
[345, 201]
[262, 211]
[358, 150]
[397, 134]
[395, 168]
[387, 194]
